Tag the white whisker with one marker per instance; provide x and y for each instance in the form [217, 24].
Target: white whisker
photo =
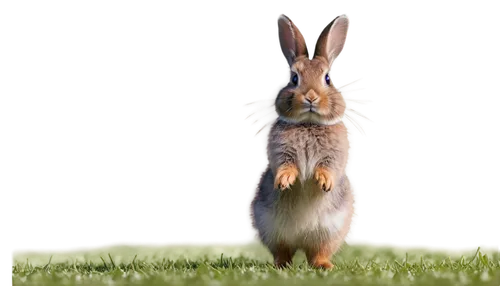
[348, 84]
[262, 128]
[253, 103]
[355, 123]
[357, 113]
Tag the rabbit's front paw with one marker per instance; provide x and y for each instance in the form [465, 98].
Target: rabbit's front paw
[285, 177]
[324, 178]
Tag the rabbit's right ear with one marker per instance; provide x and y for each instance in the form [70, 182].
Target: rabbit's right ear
[291, 40]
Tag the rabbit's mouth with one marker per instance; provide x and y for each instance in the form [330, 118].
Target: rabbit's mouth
[313, 111]
[309, 108]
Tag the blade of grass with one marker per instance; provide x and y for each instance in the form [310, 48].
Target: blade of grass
[46, 266]
[483, 260]
[475, 255]
[105, 265]
[424, 264]
[386, 264]
[451, 263]
[213, 268]
[112, 262]
[163, 264]
[359, 264]
[132, 262]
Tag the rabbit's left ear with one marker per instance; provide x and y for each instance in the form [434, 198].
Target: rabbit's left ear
[332, 39]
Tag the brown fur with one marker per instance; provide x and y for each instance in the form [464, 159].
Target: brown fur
[320, 257]
[283, 255]
[251, 202]
[307, 152]
[291, 100]
[287, 142]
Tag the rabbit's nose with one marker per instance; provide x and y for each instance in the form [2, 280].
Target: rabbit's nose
[311, 99]
[311, 96]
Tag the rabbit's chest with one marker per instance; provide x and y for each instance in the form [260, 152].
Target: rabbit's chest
[307, 157]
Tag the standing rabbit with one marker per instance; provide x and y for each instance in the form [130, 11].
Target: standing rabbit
[304, 198]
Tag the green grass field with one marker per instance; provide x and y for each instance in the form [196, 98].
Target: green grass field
[251, 265]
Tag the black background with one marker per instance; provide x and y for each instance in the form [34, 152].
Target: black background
[141, 139]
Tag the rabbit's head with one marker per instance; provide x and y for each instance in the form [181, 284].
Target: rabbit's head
[310, 96]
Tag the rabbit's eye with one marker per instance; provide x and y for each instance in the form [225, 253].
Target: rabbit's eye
[295, 79]
[327, 79]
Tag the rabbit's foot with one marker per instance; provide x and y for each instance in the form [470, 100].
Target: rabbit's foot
[323, 263]
[320, 258]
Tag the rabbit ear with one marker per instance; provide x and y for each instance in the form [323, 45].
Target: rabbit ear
[291, 40]
[332, 39]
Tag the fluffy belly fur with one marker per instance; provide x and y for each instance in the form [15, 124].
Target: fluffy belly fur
[303, 217]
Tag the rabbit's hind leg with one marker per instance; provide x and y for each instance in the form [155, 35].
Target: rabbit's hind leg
[319, 257]
[283, 255]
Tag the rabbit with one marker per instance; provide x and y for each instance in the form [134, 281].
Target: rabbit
[304, 199]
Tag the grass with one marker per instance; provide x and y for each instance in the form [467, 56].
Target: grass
[251, 265]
